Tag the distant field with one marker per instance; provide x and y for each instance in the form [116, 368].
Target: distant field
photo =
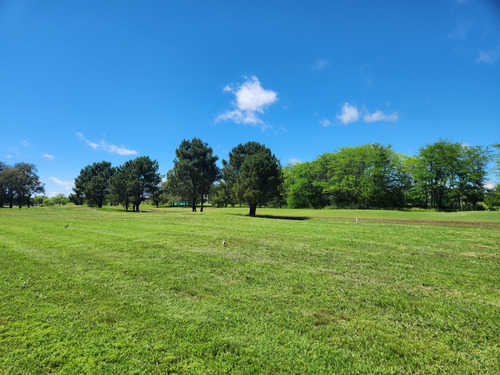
[293, 291]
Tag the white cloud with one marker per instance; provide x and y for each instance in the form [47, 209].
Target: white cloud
[349, 114]
[251, 100]
[8, 156]
[488, 57]
[67, 185]
[104, 146]
[325, 122]
[25, 144]
[380, 116]
[321, 64]
[490, 185]
[295, 161]
[48, 156]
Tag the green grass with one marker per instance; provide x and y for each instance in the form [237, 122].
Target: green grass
[156, 292]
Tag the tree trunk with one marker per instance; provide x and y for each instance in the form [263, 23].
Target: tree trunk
[194, 205]
[253, 209]
[201, 207]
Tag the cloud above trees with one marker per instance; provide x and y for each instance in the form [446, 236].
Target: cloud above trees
[104, 146]
[350, 113]
[251, 101]
[66, 184]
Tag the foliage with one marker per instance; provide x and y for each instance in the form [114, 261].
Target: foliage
[18, 184]
[360, 177]
[256, 174]
[93, 182]
[443, 176]
[135, 182]
[450, 175]
[194, 172]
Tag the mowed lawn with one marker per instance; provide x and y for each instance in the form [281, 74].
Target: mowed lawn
[157, 292]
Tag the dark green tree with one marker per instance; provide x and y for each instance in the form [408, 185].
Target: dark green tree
[194, 172]
[93, 181]
[28, 183]
[257, 174]
[141, 178]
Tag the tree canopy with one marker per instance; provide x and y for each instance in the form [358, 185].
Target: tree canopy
[195, 170]
[18, 184]
[255, 173]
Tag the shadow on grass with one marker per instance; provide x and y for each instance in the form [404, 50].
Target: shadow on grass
[300, 218]
[276, 217]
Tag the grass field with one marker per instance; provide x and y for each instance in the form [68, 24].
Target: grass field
[293, 291]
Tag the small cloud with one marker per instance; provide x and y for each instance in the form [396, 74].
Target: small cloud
[48, 156]
[349, 114]
[488, 57]
[325, 122]
[380, 116]
[320, 64]
[490, 185]
[8, 156]
[295, 161]
[25, 144]
[67, 185]
[104, 146]
[251, 101]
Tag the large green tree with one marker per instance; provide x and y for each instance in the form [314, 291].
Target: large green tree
[195, 170]
[450, 175]
[142, 179]
[30, 183]
[257, 174]
[93, 181]
[19, 183]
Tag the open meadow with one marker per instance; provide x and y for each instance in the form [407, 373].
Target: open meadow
[291, 291]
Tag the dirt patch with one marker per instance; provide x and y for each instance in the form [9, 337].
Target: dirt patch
[476, 224]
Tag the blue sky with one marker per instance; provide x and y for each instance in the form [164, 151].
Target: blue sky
[86, 81]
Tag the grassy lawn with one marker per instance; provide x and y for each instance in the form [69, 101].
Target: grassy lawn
[291, 292]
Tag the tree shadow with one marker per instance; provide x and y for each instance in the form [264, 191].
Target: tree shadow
[276, 217]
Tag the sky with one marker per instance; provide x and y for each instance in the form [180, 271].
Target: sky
[87, 81]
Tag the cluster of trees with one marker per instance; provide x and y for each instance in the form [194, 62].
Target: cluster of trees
[252, 175]
[19, 184]
[444, 176]
[57, 200]
[129, 184]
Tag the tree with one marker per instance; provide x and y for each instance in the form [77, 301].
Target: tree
[257, 174]
[60, 199]
[19, 183]
[28, 183]
[451, 175]
[141, 179]
[93, 181]
[304, 188]
[3, 186]
[119, 187]
[194, 172]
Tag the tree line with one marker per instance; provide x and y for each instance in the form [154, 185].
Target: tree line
[253, 175]
[443, 176]
[19, 184]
